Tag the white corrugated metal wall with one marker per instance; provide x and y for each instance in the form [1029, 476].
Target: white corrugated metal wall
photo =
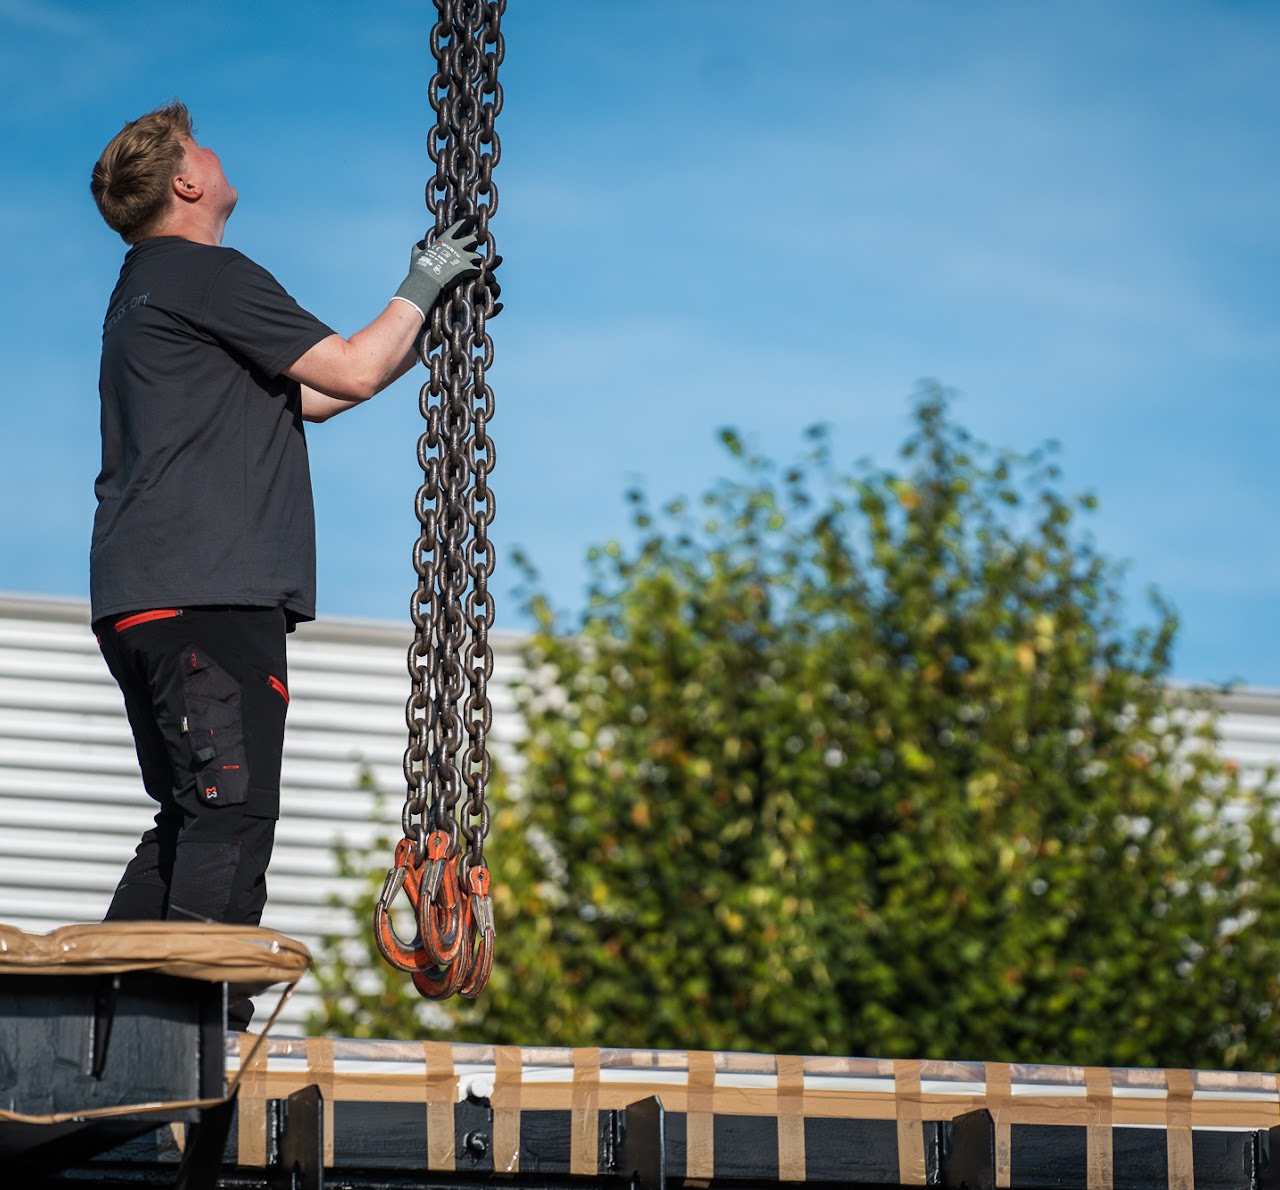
[72, 806]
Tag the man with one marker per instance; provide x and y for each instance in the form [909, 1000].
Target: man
[203, 552]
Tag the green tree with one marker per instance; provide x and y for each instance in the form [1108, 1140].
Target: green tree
[873, 762]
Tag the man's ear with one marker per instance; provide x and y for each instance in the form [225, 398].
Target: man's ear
[186, 189]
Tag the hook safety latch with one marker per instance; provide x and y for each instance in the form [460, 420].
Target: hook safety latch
[391, 887]
[481, 901]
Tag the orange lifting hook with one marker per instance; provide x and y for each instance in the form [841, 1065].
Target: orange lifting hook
[439, 910]
[406, 875]
[469, 972]
[481, 928]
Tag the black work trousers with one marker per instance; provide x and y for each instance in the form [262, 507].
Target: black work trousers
[206, 692]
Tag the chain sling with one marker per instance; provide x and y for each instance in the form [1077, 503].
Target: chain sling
[439, 864]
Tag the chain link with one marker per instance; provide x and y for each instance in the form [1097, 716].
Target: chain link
[450, 662]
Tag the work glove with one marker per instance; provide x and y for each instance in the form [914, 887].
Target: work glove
[440, 262]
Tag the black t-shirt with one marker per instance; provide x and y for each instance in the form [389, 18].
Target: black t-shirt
[205, 492]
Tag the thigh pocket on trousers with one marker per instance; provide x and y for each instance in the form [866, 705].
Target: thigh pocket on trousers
[214, 724]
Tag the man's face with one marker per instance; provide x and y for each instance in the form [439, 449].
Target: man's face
[202, 166]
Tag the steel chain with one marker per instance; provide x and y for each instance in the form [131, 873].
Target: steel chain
[450, 661]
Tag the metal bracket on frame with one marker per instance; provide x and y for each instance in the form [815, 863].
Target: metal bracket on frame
[642, 1153]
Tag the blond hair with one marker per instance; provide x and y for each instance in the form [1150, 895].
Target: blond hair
[132, 180]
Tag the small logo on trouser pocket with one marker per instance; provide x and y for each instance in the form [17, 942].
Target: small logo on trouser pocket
[210, 793]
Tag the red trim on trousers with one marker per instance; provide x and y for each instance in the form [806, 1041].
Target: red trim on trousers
[160, 613]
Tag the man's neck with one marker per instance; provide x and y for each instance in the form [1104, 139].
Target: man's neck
[198, 231]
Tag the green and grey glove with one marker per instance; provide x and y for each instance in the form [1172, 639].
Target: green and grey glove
[438, 263]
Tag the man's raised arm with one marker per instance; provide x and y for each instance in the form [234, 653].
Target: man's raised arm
[337, 374]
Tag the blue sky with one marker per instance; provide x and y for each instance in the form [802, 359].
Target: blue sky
[712, 214]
